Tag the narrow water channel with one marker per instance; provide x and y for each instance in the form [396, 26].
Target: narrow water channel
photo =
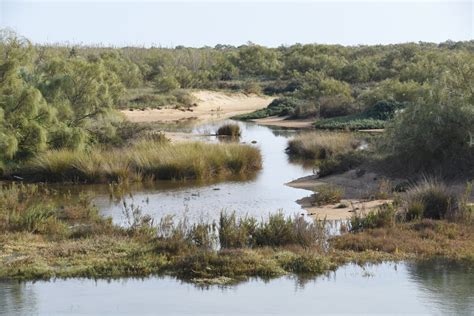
[406, 288]
[259, 196]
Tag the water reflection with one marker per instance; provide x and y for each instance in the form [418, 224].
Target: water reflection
[259, 195]
[415, 288]
[452, 293]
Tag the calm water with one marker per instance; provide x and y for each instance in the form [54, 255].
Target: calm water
[407, 288]
[259, 196]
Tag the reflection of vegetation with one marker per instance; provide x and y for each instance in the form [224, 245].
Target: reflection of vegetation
[16, 297]
[446, 284]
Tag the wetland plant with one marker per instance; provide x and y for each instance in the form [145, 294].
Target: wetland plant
[232, 130]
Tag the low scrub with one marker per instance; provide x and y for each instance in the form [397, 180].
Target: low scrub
[148, 159]
[429, 199]
[141, 99]
[420, 239]
[340, 163]
[278, 107]
[375, 117]
[327, 194]
[350, 122]
[382, 217]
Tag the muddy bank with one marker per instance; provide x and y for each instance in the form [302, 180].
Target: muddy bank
[363, 192]
[210, 105]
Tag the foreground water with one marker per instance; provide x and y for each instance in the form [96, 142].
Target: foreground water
[260, 195]
[406, 288]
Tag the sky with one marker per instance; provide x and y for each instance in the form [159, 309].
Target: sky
[207, 23]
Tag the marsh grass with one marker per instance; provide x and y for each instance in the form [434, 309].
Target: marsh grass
[36, 209]
[45, 237]
[321, 145]
[232, 130]
[327, 194]
[431, 198]
[147, 159]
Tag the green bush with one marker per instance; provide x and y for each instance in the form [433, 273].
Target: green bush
[278, 107]
[166, 84]
[332, 106]
[436, 133]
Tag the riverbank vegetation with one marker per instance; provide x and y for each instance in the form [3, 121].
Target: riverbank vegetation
[145, 160]
[331, 152]
[46, 235]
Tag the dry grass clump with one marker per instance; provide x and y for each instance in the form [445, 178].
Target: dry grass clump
[430, 198]
[321, 145]
[232, 130]
[148, 159]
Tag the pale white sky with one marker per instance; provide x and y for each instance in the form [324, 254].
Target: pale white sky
[266, 22]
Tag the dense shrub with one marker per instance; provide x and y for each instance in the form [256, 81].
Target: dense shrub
[278, 107]
[433, 133]
[384, 110]
[437, 131]
[375, 117]
[332, 106]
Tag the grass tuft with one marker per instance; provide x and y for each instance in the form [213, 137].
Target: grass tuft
[232, 130]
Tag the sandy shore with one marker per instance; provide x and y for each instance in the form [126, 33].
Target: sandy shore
[337, 212]
[211, 105]
[358, 188]
[282, 121]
